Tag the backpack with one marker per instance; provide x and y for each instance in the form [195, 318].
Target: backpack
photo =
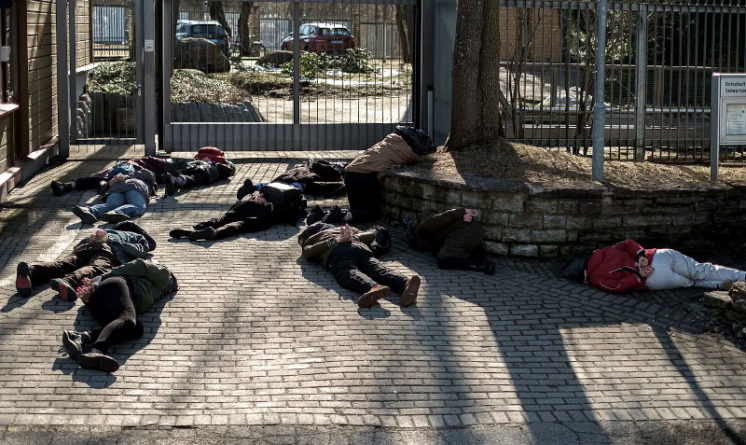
[214, 154]
[288, 202]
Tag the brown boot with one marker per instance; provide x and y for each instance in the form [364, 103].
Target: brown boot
[375, 293]
[409, 294]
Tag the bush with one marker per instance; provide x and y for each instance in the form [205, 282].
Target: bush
[310, 65]
[354, 61]
[275, 59]
[260, 83]
[113, 78]
[195, 86]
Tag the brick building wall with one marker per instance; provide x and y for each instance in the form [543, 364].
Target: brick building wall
[42, 72]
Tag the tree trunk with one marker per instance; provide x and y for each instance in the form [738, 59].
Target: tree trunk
[405, 25]
[218, 13]
[243, 28]
[476, 93]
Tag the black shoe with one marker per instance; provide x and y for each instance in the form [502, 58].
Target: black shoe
[180, 233]
[314, 215]
[60, 188]
[207, 233]
[85, 215]
[94, 359]
[114, 217]
[66, 292]
[23, 280]
[73, 344]
[171, 186]
[246, 189]
[334, 216]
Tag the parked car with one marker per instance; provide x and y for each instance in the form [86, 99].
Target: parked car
[210, 30]
[322, 38]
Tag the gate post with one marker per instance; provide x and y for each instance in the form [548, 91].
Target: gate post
[63, 102]
[599, 109]
[641, 81]
[147, 50]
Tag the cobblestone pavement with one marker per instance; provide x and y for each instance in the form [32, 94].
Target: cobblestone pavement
[257, 336]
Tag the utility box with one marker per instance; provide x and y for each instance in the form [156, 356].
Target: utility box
[728, 116]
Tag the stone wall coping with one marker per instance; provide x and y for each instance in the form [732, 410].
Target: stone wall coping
[589, 190]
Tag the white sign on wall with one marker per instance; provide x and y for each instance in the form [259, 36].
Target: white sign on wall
[728, 115]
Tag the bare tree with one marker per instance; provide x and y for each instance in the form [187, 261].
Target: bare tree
[476, 95]
[218, 13]
[243, 28]
[405, 25]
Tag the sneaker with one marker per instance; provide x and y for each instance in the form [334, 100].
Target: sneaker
[85, 215]
[23, 280]
[314, 215]
[94, 359]
[179, 233]
[371, 297]
[114, 217]
[73, 344]
[66, 292]
[170, 182]
[246, 189]
[103, 186]
[409, 294]
[58, 188]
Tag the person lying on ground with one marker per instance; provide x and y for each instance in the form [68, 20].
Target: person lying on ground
[403, 147]
[196, 173]
[126, 198]
[92, 256]
[255, 213]
[627, 266]
[100, 180]
[115, 299]
[455, 238]
[349, 254]
[319, 178]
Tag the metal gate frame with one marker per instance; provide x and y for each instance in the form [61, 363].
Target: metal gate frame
[67, 88]
[187, 136]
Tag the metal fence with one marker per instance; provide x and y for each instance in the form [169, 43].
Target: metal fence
[343, 86]
[658, 63]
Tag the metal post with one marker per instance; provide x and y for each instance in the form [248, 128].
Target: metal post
[714, 128]
[148, 61]
[73, 78]
[63, 103]
[296, 63]
[641, 81]
[599, 109]
[167, 64]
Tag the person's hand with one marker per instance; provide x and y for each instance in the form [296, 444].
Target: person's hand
[84, 292]
[345, 234]
[470, 214]
[117, 178]
[643, 262]
[260, 199]
[646, 271]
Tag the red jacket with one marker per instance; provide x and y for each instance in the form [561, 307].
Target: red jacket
[614, 268]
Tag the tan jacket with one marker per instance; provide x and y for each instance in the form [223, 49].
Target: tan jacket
[392, 152]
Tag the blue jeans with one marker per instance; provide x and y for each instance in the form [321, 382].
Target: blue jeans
[132, 203]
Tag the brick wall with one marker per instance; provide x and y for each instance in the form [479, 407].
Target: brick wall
[522, 221]
[6, 126]
[42, 81]
[83, 33]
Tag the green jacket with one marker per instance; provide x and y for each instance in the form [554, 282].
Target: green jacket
[319, 246]
[149, 281]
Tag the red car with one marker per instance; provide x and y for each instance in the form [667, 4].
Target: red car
[322, 38]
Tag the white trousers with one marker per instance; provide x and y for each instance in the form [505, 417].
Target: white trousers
[673, 270]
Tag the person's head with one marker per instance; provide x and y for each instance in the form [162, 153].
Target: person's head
[382, 243]
[224, 170]
[99, 236]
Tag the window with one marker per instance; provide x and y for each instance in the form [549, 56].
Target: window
[6, 82]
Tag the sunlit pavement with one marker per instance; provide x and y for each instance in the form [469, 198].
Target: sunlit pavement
[259, 345]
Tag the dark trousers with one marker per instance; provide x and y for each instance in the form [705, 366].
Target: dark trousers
[89, 183]
[362, 193]
[328, 189]
[356, 268]
[92, 260]
[195, 178]
[238, 220]
[111, 305]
